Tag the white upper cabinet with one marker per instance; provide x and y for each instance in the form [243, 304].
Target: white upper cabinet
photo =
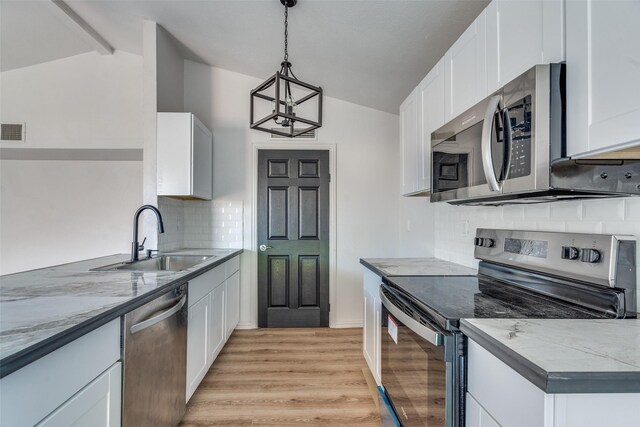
[466, 69]
[603, 76]
[521, 34]
[409, 142]
[431, 109]
[185, 157]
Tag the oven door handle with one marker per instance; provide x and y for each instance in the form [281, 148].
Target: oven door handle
[495, 105]
[425, 332]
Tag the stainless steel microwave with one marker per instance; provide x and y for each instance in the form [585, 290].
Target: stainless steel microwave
[511, 148]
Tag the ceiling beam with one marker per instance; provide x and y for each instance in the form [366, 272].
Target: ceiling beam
[81, 27]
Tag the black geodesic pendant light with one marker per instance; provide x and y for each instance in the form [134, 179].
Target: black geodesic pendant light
[282, 96]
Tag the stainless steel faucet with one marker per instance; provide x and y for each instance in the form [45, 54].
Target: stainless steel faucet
[135, 246]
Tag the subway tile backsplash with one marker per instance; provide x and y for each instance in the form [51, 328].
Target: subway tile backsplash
[618, 215]
[610, 216]
[172, 211]
[201, 224]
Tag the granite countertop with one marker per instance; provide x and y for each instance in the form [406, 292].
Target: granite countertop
[42, 310]
[416, 267]
[568, 355]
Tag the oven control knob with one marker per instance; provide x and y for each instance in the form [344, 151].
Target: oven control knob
[590, 255]
[478, 241]
[569, 252]
[488, 243]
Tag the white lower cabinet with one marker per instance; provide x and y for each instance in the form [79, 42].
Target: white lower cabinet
[233, 303]
[214, 303]
[500, 396]
[197, 333]
[215, 342]
[96, 405]
[477, 416]
[371, 322]
[77, 384]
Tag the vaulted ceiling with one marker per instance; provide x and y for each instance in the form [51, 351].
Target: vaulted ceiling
[370, 52]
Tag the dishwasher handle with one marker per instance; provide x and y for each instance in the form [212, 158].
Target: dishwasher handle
[160, 317]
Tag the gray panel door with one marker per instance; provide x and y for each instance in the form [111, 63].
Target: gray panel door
[293, 224]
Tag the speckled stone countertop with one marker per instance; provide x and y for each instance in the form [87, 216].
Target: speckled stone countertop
[565, 356]
[416, 267]
[42, 310]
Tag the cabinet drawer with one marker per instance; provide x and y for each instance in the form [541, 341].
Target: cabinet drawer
[205, 283]
[33, 392]
[492, 383]
[99, 404]
[232, 266]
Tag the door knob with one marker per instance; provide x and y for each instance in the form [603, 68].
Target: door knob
[264, 248]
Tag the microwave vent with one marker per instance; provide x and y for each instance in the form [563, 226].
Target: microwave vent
[12, 132]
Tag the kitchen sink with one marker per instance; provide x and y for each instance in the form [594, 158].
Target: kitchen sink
[160, 263]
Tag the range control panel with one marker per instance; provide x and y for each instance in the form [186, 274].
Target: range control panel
[592, 258]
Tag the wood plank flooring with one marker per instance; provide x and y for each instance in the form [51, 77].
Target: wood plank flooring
[277, 377]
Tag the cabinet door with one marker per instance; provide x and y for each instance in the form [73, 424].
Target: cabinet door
[368, 347]
[371, 322]
[377, 308]
[603, 77]
[521, 34]
[492, 383]
[216, 324]
[174, 154]
[197, 338]
[202, 160]
[98, 404]
[409, 143]
[466, 70]
[232, 306]
[431, 101]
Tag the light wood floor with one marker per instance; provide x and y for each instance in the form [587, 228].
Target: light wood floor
[286, 377]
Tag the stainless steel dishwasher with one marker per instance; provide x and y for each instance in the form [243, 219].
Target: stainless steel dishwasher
[155, 361]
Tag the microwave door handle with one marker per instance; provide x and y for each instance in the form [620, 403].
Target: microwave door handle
[495, 104]
[508, 143]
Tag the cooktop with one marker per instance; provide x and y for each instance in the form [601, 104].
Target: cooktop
[449, 299]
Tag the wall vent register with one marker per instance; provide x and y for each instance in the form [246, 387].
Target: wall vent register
[12, 132]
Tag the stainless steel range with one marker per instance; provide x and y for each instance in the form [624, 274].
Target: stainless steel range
[522, 274]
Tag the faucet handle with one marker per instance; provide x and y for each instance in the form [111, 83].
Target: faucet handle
[141, 245]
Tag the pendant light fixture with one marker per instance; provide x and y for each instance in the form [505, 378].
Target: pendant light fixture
[282, 96]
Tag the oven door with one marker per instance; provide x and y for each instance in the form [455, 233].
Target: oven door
[416, 377]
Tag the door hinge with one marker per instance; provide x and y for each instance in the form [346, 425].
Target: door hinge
[329, 177]
[329, 307]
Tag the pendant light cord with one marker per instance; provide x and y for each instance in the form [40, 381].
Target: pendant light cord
[286, 33]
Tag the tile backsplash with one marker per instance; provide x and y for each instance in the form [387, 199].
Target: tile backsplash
[172, 211]
[201, 224]
[455, 226]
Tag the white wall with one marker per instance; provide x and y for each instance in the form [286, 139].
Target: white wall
[53, 212]
[611, 216]
[163, 90]
[367, 176]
